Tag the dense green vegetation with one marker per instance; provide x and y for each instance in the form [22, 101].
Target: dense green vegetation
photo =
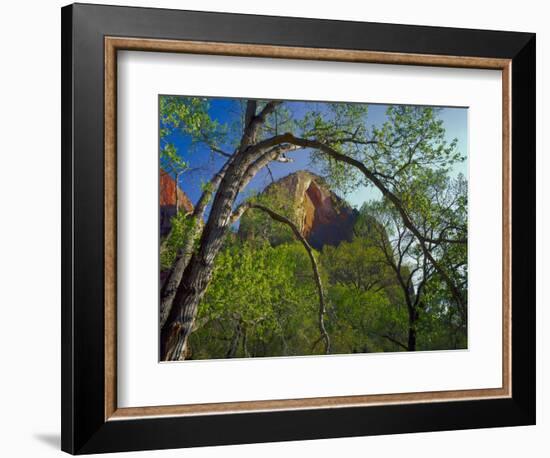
[262, 301]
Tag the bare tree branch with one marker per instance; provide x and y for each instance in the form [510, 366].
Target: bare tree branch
[219, 151]
[270, 173]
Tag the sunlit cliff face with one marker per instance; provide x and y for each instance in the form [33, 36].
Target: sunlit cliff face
[322, 217]
[167, 202]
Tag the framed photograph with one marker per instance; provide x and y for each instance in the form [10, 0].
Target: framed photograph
[281, 228]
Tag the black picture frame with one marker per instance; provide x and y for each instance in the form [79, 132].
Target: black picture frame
[84, 428]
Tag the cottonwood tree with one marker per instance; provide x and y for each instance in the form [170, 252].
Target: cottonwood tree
[341, 141]
[407, 261]
[437, 205]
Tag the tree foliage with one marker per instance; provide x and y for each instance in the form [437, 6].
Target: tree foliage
[262, 302]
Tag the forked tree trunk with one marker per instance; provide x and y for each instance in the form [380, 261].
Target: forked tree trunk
[170, 286]
[186, 285]
[195, 279]
[198, 273]
[174, 338]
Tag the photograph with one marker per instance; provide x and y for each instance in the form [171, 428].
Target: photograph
[298, 228]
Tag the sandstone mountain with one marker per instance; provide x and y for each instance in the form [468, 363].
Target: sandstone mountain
[168, 201]
[322, 217]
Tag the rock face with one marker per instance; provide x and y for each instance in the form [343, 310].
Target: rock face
[322, 217]
[167, 197]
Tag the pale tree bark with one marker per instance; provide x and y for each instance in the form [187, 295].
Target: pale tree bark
[169, 288]
[198, 272]
[252, 125]
[264, 155]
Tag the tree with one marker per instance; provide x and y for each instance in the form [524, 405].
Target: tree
[190, 115]
[351, 153]
[437, 205]
[406, 259]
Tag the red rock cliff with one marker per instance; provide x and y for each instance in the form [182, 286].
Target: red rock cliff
[322, 217]
[167, 201]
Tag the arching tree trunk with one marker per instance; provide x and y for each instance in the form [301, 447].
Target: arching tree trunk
[306, 143]
[170, 286]
[198, 272]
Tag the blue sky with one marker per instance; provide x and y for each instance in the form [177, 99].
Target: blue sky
[203, 164]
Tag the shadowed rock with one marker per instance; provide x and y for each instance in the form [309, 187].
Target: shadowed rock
[322, 217]
[167, 202]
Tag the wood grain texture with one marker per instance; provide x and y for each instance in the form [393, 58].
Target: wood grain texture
[112, 44]
[110, 197]
[507, 228]
[306, 403]
[288, 52]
